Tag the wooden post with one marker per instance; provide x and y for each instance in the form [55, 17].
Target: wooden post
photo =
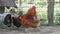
[50, 12]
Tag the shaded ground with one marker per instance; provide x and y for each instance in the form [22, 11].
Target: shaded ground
[43, 30]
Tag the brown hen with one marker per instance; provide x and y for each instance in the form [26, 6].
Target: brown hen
[30, 19]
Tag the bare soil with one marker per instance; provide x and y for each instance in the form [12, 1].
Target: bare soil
[42, 30]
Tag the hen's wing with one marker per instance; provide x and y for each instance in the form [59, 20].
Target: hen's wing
[25, 21]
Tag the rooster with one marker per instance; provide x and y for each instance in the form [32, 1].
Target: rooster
[30, 19]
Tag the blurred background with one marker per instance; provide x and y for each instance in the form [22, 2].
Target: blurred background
[48, 11]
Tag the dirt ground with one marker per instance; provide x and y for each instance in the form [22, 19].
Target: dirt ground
[41, 30]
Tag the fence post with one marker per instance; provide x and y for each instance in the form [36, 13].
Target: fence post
[50, 12]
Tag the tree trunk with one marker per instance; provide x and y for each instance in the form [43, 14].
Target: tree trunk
[50, 12]
[2, 9]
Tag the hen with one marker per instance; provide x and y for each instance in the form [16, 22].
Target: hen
[30, 19]
[7, 20]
